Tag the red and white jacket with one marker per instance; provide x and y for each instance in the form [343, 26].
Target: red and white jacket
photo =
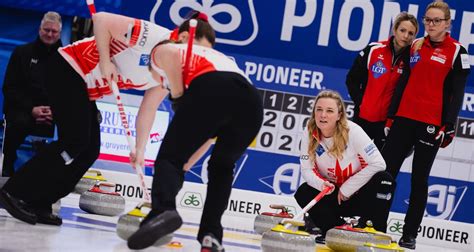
[131, 59]
[360, 161]
[203, 60]
[434, 92]
[373, 77]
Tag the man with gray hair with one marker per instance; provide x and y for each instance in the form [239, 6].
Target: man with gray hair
[26, 107]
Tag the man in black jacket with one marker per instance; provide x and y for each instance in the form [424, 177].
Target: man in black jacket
[26, 106]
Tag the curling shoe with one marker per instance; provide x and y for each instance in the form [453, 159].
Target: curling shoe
[48, 218]
[154, 228]
[407, 241]
[211, 244]
[17, 207]
[320, 239]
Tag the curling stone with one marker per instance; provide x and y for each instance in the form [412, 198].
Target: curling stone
[380, 248]
[267, 221]
[88, 181]
[347, 238]
[130, 222]
[287, 238]
[101, 199]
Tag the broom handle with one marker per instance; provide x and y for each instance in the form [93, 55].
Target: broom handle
[310, 205]
[123, 117]
[128, 134]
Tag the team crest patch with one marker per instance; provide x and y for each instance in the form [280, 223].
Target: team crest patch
[378, 69]
[320, 150]
[144, 60]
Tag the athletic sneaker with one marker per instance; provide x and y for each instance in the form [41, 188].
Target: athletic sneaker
[211, 244]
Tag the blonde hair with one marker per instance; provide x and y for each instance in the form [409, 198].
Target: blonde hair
[53, 17]
[444, 7]
[341, 136]
[405, 16]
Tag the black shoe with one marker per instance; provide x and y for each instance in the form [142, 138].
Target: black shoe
[44, 214]
[309, 226]
[211, 244]
[49, 219]
[407, 241]
[320, 239]
[155, 228]
[17, 208]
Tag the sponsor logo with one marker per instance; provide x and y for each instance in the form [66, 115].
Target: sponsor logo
[384, 182]
[225, 18]
[145, 34]
[468, 102]
[320, 150]
[465, 61]
[155, 137]
[370, 149]
[245, 207]
[378, 69]
[430, 129]
[414, 59]
[425, 143]
[130, 191]
[34, 61]
[304, 157]
[443, 200]
[191, 200]
[144, 60]
[438, 59]
[285, 181]
[383, 196]
[395, 227]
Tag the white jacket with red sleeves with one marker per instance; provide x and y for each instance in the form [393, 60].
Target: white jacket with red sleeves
[360, 161]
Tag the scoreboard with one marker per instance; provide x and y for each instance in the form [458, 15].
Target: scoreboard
[285, 118]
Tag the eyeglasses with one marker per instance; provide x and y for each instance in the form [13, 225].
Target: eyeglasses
[435, 21]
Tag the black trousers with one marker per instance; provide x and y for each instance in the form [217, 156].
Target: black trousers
[404, 135]
[20, 124]
[46, 178]
[371, 202]
[375, 130]
[221, 104]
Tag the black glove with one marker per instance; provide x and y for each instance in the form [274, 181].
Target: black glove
[175, 102]
[446, 134]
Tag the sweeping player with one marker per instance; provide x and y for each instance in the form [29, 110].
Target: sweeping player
[220, 101]
[74, 83]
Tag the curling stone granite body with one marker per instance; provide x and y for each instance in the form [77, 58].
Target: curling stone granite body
[349, 239]
[91, 178]
[266, 221]
[280, 239]
[130, 222]
[97, 201]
